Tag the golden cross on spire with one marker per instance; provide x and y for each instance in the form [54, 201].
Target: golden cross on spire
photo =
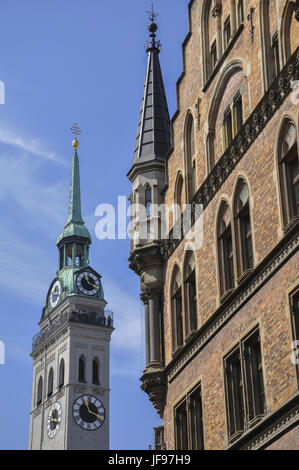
[76, 131]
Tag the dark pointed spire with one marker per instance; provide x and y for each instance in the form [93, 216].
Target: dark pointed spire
[153, 135]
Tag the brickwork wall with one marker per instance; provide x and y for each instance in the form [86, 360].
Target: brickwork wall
[269, 307]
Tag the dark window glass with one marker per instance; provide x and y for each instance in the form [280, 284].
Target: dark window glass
[275, 56]
[181, 427]
[50, 382]
[191, 299]
[234, 390]
[95, 371]
[228, 127]
[148, 201]
[238, 108]
[39, 392]
[213, 55]
[240, 12]
[81, 369]
[254, 377]
[61, 374]
[177, 302]
[195, 419]
[227, 33]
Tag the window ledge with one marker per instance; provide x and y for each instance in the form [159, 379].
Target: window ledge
[226, 295]
[235, 436]
[244, 275]
[255, 421]
[223, 57]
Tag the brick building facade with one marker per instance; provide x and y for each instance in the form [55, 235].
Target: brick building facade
[221, 320]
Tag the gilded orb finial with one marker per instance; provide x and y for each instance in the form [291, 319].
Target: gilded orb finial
[76, 131]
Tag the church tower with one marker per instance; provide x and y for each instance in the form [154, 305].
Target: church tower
[70, 392]
[147, 177]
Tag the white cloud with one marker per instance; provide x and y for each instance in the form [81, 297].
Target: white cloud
[33, 146]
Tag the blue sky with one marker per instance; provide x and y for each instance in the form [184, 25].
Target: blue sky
[64, 62]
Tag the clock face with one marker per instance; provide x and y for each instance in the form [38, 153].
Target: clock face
[54, 420]
[89, 412]
[88, 283]
[55, 294]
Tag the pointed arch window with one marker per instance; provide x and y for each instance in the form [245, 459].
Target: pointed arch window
[95, 371]
[244, 246]
[289, 172]
[178, 197]
[190, 158]
[190, 294]
[82, 369]
[50, 383]
[39, 392]
[61, 374]
[270, 44]
[225, 250]
[240, 12]
[177, 310]
[148, 201]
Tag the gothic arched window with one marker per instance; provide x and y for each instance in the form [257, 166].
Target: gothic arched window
[61, 374]
[190, 164]
[39, 392]
[95, 371]
[82, 369]
[190, 294]
[178, 197]
[50, 382]
[177, 309]
[289, 171]
[225, 249]
[244, 246]
[148, 200]
[270, 42]
[289, 32]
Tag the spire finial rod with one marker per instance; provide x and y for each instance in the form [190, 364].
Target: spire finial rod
[76, 131]
[152, 27]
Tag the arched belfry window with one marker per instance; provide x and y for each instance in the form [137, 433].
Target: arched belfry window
[190, 164]
[190, 294]
[95, 371]
[50, 383]
[82, 369]
[39, 398]
[289, 171]
[244, 246]
[176, 309]
[61, 374]
[225, 249]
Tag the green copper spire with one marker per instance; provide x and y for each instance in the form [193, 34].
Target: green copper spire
[75, 215]
[75, 224]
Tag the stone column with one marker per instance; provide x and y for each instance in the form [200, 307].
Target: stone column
[233, 17]
[217, 11]
[145, 299]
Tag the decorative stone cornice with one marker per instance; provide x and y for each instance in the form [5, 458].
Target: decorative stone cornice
[155, 385]
[249, 132]
[274, 261]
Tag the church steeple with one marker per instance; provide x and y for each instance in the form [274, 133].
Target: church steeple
[75, 224]
[153, 134]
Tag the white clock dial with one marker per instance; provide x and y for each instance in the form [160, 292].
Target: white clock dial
[88, 283]
[55, 294]
[54, 420]
[89, 412]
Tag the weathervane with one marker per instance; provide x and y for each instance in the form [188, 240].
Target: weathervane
[153, 16]
[153, 44]
[76, 131]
